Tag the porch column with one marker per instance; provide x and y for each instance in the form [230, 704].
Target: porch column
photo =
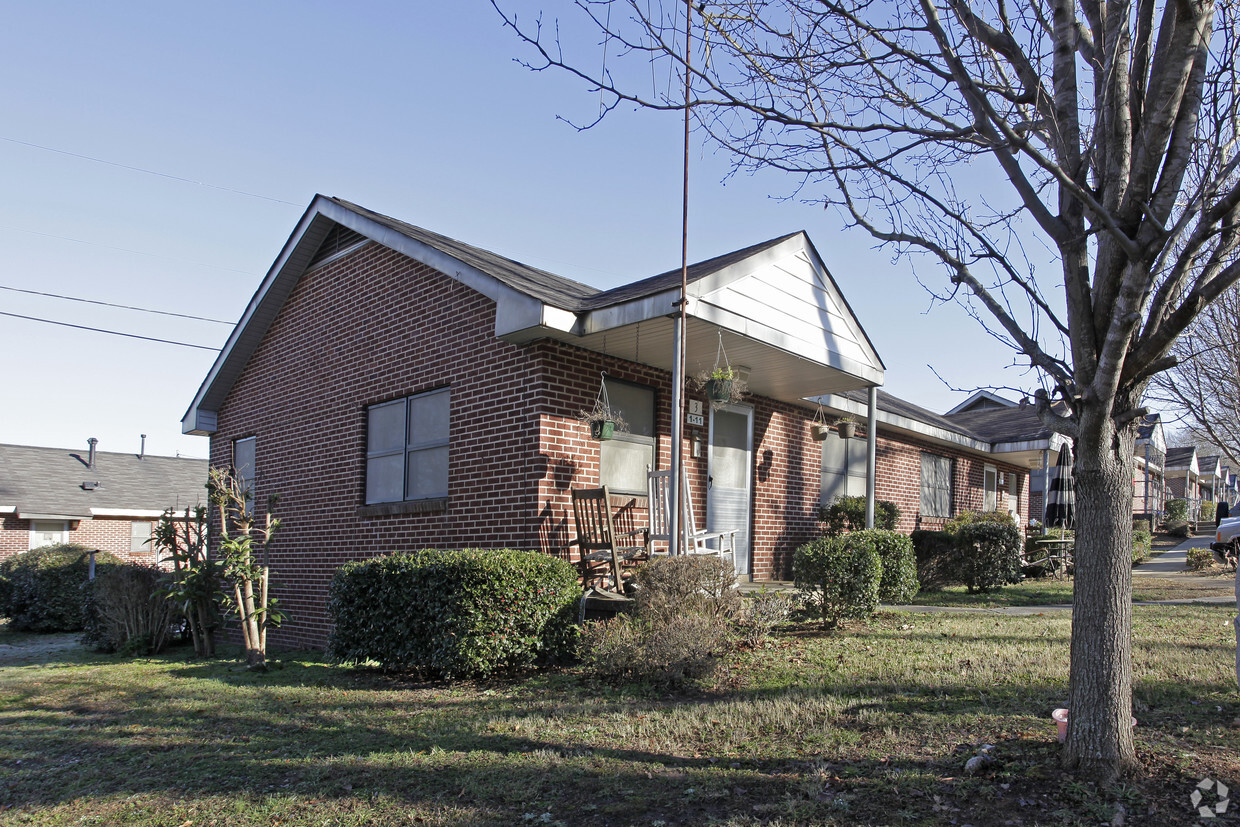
[678, 382]
[871, 453]
[1046, 482]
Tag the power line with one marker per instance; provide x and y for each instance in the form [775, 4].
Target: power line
[150, 172]
[110, 304]
[112, 332]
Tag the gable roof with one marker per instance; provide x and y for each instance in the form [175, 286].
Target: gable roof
[57, 483]
[776, 297]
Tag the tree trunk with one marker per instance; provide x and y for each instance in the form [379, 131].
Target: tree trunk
[1100, 741]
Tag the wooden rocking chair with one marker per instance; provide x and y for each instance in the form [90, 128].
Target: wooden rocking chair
[659, 491]
[602, 549]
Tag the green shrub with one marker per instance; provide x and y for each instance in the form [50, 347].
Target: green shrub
[1206, 511]
[898, 583]
[1179, 528]
[936, 558]
[44, 587]
[454, 613]
[1200, 559]
[1142, 525]
[126, 610]
[845, 514]
[990, 555]
[668, 587]
[838, 577]
[1142, 544]
[1176, 511]
[965, 518]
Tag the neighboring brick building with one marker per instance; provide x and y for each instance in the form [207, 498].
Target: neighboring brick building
[399, 389]
[98, 499]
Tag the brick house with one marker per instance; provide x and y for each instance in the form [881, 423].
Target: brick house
[400, 389]
[98, 499]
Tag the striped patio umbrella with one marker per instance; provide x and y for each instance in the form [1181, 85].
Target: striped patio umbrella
[1060, 499]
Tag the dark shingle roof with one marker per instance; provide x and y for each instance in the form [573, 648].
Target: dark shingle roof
[49, 481]
[1179, 456]
[902, 407]
[1004, 424]
[548, 287]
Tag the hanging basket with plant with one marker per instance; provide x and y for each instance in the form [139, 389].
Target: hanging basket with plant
[846, 427]
[603, 421]
[820, 429]
[722, 384]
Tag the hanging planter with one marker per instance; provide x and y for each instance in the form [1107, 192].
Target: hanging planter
[722, 384]
[603, 421]
[819, 429]
[846, 427]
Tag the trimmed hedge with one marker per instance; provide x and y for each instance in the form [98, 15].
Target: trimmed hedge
[451, 614]
[845, 514]
[838, 577]
[42, 590]
[898, 583]
[936, 555]
[989, 555]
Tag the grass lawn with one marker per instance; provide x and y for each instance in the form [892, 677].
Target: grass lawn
[1049, 592]
[870, 725]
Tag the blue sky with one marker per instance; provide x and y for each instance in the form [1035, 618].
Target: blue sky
[416, 110]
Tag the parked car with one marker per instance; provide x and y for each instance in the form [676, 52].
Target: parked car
[1226, 545]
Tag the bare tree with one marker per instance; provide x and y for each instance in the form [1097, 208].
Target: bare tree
[1205, 383]
[1070, 168]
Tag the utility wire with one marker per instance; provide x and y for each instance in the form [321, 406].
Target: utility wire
[149, 172]
[110, 304]
[112, 332]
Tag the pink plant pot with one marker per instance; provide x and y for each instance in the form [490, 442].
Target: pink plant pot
[1060, 717]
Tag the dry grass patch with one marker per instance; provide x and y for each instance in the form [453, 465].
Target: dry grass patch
[869, 725]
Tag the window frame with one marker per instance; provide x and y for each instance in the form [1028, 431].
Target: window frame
[948, 491]
[856, 452]
[649, 442]
[407, 450]
[247, 475]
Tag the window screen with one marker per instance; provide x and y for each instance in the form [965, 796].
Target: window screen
[624, 458]
[936, 486]
[843, 468]
[407, 448]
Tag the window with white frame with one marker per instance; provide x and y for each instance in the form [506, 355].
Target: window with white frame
[936, 485]
[623, 459]
[48, 533]
[244, 467]
[140, 538]
[990, 488]
[407, 448]
[843, 469]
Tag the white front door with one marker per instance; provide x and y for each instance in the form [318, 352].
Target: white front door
[729, 491]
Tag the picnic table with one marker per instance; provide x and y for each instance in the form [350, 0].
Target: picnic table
[1058, 558]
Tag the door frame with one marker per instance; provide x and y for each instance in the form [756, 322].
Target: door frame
[748, 412]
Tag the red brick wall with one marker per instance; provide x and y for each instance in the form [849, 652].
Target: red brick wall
[375, 326]
[112, 535]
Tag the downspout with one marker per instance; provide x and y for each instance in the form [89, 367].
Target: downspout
[1046, 483]
[871, 453]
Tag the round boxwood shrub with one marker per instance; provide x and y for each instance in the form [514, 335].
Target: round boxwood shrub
[43, 589]
[989, 555]
[898, 583]
[936, 555]
[450, 614]
[838, 577]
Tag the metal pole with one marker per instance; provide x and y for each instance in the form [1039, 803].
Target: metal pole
[1046, 480]
[871, 455]
[679, 496]
[1146, 501]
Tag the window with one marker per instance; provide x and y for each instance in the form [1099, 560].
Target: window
[843, 468]
[243, 466]
[48, 533]
[623, 460]
[936, 486]
[990, 488]
[407, 448]
[139, 539]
